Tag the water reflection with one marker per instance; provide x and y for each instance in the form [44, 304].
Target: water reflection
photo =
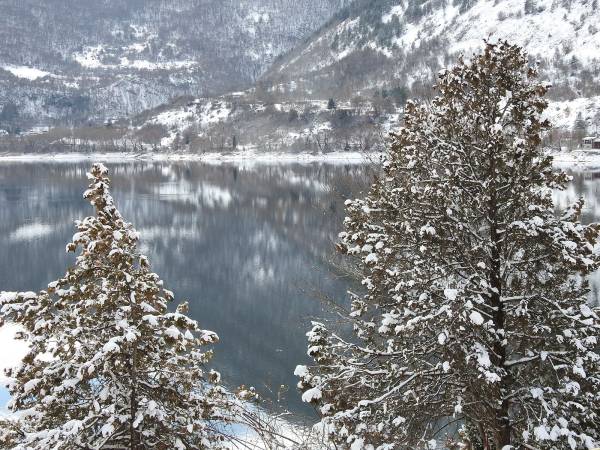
[586, 184]
[248, 246]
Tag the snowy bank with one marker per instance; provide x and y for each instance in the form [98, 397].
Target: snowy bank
[211, 158]
[288, 434]
[575, 159]
[13, 351]
[582, 159]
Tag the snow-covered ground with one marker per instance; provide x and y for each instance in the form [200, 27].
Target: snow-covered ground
[29, 73]
[92, 58]
[12, 352]
[577, 159]
[248, 156]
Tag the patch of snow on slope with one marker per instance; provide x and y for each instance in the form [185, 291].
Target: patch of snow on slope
[137, 47]
[383, 50]
[435, 22]
[552, 28]
[345, 27]
[141, 64]
[324, 43]
[563, 114]
[214, 112]
[90, 57]
[173, 117]
[29, 73]
[176, 120]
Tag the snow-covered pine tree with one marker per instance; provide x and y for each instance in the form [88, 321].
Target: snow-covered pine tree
[475, 309]
[109, 367]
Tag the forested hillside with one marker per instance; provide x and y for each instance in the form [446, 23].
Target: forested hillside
[346, 86]
[307, 76]
[395, 48]
[71, 61]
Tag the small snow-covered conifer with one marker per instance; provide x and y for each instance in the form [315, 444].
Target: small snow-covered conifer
[109, 366]
[475, 310]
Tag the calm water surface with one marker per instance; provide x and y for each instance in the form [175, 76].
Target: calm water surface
[250, 247]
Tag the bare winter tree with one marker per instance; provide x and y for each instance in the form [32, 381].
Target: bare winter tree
[475, 310]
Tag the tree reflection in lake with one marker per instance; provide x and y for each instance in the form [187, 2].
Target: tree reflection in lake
[586, 184]
[249, 246]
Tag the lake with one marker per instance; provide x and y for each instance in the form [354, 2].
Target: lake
[251, 247]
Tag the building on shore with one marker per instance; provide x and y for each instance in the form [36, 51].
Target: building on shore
[590, 143]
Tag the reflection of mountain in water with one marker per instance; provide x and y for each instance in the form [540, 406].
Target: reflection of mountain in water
[248, 246]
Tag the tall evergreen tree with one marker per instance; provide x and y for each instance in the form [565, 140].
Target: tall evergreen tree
[475, 308]
[109, 366]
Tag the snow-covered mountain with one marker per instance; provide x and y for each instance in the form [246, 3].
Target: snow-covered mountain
[398, 46]
[368, 58]
[74, 60]
[375, 54]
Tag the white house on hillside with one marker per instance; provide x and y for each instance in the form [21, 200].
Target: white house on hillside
[591, 143]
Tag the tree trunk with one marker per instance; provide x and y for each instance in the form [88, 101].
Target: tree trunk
[501, 419]
[133, 435]
[133, 404]
[503, 428]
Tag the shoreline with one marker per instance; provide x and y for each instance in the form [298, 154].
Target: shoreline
[209, 158]
[577, 159]
[565, 160]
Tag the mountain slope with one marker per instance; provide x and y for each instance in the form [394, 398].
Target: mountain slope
[345, 86]
[75, 60]
[378, 45]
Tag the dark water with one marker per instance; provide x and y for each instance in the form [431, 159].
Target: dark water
[586, 184]
[249, 247]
